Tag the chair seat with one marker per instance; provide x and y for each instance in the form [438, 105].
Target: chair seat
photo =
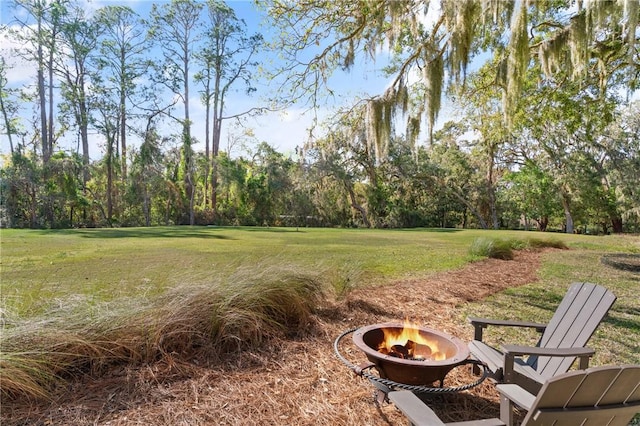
[495, 361]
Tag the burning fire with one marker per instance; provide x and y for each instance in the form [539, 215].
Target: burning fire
[408, 343]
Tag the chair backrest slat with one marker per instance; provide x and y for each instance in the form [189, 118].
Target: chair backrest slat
[602, 395]
[593, 387]
[561, 391]
[611, 416]
[625, 388]
[572, 325]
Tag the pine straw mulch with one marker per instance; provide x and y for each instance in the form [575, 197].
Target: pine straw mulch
[296, 381]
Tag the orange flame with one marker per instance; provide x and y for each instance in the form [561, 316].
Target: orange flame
[421, 348]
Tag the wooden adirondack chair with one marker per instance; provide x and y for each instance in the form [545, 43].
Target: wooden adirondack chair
[563, 339]
[607, 395]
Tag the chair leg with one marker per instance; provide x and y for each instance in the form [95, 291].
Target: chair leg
[506, 410]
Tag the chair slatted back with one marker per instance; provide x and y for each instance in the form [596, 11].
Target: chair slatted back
[572, 325]
[600, 396]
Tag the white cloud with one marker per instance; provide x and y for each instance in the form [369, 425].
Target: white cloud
[18, 70]
[284, 130]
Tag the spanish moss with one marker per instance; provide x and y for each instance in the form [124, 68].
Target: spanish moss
[434, 77]
[518, 60]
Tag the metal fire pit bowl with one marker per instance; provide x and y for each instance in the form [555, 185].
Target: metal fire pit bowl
[411, 372]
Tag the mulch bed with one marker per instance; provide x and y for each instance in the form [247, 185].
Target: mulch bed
[293, 382]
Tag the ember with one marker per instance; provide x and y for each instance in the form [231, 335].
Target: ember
[409, 343]
[410, 350]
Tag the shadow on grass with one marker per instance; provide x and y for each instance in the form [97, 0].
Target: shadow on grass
[622, 322]
[270, 229]
[442, 230]
[546, 301]
[152, 232]
[622, 261]
[630, 325]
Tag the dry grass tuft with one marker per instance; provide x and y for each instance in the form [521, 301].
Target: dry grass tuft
[242, 312]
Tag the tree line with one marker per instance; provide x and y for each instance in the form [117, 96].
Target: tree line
[533, 143]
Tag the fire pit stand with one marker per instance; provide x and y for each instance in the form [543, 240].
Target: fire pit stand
[380, 362]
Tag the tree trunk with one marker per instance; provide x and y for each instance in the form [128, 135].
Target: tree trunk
[567, 214]
[43, 118]
[474, 211]
[187, 137]
[84, 136]
[207, 145]
[543, 222]
[617, 225]
[7, 124]
[192, 212]
[355, 205]
[49, 138]
[123, 115]
[492, 194]
[214, 188]
[215, 149]
[109, 178]
[33, 216]
[146, 207]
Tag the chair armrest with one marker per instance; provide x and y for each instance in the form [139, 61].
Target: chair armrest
[480, 323]
[419, 413]
[519, 350]
[511, 395]
[512, 351]
[414, 409]
[516, 394]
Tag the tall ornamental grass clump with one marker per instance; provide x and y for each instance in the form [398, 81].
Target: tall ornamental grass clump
[493, 248]
[240, 311]
[498, 248]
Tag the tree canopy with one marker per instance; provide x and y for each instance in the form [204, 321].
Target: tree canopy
[544, 133]
[431, 45]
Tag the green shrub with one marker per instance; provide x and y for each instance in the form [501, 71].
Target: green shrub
[501, 249]
[481, 247]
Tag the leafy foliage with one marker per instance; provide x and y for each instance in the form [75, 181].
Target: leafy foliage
[566, 159]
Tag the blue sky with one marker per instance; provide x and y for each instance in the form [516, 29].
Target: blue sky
[283, 130]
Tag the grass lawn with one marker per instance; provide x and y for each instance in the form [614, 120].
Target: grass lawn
[616, 340]
[54, 275]
[40, 267]
[43, 268]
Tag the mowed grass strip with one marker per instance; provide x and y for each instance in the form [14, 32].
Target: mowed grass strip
[80, 300]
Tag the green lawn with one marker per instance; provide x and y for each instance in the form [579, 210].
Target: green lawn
[41, 268]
